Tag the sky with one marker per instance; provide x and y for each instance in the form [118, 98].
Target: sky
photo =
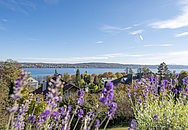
[81, 31]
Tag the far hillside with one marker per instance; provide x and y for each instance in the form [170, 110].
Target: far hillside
[96, 65]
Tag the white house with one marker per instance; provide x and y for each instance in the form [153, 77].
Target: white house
[103, 80]
[32, 83]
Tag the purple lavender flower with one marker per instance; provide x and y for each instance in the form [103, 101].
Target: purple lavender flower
[134, 86]
[55, 113]
[128, 90]
[132, 124]
[80, 113]
[31, 118]
[109, 85]
[37, 100]
[80, 97]
[139, 101]
[60, 98]
[111, 110]
[107, 93]
[155, 117]
[134, 93]
[185, 81]
[86, 120]
[186, 90]
[175, 91]
[163, 115]
[177, 75]
[97, 124]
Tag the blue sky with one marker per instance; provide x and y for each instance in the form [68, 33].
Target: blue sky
[111, 31]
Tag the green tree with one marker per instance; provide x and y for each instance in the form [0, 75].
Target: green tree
[9, 71]
[56, 74]
[78, 77]
[145, 69]
[130, 71]
[139, 70]
[182, 75]
[88, 79]
[118, 75]
[96, 80]
[96, 88]
[66, 77]
[127, 70]
[164, 72]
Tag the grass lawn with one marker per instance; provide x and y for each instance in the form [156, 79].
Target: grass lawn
[119, 128]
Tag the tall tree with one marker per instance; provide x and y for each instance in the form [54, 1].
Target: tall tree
[164, 72]
[96, 80]
[127, 70]
[55, 74]
[78, 77]
[139, 70]
[130, 71]
[88, 79]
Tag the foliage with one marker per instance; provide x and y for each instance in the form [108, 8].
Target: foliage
[73, 78]
[78, 77]
[164, 72]
[96, 80]
[127, 70]
[9, 71]
[118, 75]
[66, 77]
[166, 110]
[145, 69]
[130, 71]
[31, 111]
[182, 75]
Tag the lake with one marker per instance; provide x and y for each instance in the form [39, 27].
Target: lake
[49, 71]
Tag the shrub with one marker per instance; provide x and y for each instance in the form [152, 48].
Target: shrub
[165, 108]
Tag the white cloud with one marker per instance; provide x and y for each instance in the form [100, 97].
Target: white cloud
[99, 42]
[165, 44]
[149, 45]
[159, 45]
[177, 22]
[5, 20]
[16, 5]
[61, 60]
[136, 32]
[178, 57]
[112, 29]
[121, 55]
[181, 34]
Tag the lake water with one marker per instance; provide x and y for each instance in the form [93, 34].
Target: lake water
[49, 71]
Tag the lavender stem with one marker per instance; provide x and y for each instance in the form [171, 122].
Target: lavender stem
[106, 124]
[76, 123]
[103, 121]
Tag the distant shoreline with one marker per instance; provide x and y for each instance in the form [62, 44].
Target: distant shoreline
[97, 65]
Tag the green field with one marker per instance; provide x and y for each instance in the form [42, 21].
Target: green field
[117, 128]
